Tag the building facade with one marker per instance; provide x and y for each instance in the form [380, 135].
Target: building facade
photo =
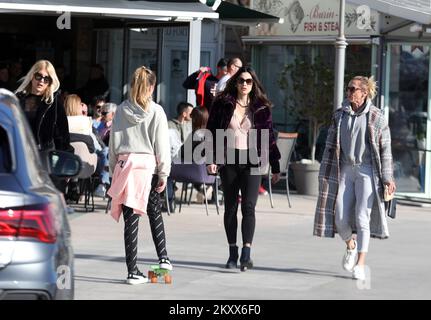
[388, 41]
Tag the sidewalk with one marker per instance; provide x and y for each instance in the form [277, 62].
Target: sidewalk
[289, 262]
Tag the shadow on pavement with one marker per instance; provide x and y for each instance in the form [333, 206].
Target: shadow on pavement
[98, 280]
[214, 267]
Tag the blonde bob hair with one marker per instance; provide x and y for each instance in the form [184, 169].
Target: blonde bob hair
[140, 94]
[367, 84]
[26, 85]
[72, 104]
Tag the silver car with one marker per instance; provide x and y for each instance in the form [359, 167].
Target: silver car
[36, 257]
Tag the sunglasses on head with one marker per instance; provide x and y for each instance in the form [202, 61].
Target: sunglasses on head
[248, 81]
[352, 89]
[45, 79]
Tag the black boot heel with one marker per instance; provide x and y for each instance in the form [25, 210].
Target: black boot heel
[245, 261]
[232, 262]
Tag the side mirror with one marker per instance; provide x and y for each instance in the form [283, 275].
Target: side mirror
[64, 164]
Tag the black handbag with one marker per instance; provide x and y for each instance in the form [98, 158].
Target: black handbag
[391, 208]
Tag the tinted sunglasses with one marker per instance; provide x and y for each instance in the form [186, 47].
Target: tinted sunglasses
[248, 81]
[45, 79]
[352, 89]
[104, 113]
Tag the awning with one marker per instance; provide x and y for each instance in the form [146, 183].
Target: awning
[230, 13]
[413, 10]
[138, 9]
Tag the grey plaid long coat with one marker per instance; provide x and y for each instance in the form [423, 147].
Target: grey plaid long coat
[329, 175]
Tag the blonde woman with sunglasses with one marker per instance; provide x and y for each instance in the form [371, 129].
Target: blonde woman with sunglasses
[356, 166]
[39, 98]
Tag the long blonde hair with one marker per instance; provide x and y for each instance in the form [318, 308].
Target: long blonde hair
[368, 84]
[26, 85]
[72, 104]
[143, 79]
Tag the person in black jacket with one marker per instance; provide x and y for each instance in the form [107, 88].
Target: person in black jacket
[206, 97]
[243, 113]
[38, 96]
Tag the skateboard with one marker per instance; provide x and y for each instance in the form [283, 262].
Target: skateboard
[156, 272]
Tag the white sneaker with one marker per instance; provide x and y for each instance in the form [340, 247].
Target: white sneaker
[358, 272]
[136, 278]
[349, 259]
[164, 263]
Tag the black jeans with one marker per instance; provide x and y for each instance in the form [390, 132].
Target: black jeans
[131, 221]
[235, 177]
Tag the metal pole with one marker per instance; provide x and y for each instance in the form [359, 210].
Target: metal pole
[340, 55]
[195, 35]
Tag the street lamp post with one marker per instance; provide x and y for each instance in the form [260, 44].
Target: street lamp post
[340, 57]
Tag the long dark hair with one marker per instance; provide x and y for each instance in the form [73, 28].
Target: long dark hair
[199, 118]
[257, 92]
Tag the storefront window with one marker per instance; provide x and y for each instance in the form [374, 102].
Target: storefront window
[109, 49]
[270, 61]
[407, 90]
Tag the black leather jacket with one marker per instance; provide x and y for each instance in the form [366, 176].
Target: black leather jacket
[49, 123]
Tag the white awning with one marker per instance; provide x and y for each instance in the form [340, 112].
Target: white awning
[133, 9]
[413, 10]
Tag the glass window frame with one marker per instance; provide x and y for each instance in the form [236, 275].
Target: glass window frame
[388, 53]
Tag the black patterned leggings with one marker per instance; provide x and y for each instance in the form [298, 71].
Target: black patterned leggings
[131, 222]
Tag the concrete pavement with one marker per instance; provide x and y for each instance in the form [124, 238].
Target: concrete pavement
[289, 262]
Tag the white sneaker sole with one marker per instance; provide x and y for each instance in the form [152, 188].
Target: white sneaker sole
[137, 281]
[358, 277]
[347, 269]
[166, 266]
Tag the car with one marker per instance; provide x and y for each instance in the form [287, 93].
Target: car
[36, 255]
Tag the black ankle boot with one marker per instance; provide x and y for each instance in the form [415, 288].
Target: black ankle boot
[245, 261]
[232, 262]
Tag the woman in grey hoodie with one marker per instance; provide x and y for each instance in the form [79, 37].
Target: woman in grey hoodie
[139, 156]
[356, 165]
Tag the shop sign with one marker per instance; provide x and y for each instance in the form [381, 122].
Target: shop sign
[314, 17]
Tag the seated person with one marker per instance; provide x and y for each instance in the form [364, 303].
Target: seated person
[199, 121]
[81, 129]
[104, 128]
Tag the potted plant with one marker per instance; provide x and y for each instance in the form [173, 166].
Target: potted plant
[309, 91]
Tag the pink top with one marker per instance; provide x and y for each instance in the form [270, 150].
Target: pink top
[241, 129]
[131, 183]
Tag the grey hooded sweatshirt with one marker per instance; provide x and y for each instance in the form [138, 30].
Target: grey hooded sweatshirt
[355, 145]
[137, 131]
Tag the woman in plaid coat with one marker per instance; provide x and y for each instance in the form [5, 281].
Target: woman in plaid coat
[356, 165]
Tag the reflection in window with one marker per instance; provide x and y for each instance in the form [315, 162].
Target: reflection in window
[270, 61]
[5, 152]
[408, 101]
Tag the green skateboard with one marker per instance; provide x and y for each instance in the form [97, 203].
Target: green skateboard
[156, 272]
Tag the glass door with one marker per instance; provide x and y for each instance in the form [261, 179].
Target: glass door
[407, 104]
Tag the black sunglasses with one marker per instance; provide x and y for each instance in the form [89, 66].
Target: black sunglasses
[248, 81]
[352, 89]
[104, 113]
[39, 77]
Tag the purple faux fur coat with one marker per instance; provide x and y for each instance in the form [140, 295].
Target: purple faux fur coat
[220, 116]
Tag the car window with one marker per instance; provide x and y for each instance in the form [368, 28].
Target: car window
[25, 140]
[5, 152]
